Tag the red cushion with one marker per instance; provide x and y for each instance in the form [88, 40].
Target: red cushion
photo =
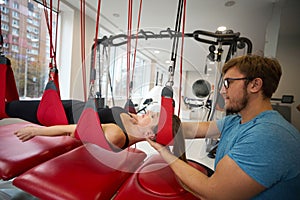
[88, 172]
[155, 180]
[17, 157]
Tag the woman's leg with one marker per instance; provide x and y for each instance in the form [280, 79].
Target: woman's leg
[23, 109]
[27, 110]
[73, 109]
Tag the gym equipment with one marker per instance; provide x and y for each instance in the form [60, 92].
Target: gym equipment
[201, 88]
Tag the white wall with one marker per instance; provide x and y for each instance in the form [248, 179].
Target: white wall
[288, 54]
[76, 89]
[64, 50]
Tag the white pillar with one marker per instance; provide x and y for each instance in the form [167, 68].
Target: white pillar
[272, 31]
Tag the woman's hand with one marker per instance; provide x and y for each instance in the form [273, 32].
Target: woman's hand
[27, 133]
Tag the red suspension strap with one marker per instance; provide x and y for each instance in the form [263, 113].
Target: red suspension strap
[136, 40]
[82, 30]
[93, 67]
[50, 110]
[129, 106]
[53, 71]
[129, 27]
[165, 126]
[56, 30]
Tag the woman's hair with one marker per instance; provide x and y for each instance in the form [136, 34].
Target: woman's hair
[179, 143]
[254, 66]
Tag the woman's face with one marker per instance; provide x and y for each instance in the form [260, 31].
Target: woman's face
[150, 119]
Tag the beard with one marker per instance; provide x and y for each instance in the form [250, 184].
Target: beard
[236, 105]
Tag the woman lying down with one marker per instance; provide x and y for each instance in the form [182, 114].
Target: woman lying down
[121, 129]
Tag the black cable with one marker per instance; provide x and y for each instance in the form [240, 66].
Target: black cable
[177, 30]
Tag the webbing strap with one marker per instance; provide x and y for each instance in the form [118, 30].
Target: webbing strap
[89, 127]
[92, 93]
[136, 39]
[50, 110]
[165, 131]
[129, 27]
[96, 34]
[53, 71]
[82, 31]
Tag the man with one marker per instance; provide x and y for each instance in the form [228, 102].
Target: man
[258, 156]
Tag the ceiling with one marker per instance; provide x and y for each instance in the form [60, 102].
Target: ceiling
[248, 17]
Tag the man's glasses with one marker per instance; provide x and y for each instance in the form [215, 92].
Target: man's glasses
[226, 81]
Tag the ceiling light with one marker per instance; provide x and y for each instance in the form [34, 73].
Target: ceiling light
[116, 15]
[221, 28]
[229, 3]
[156, 51]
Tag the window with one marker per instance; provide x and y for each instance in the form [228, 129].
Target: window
[15, 40]
[4, 18]
[114, 81]
[15, 5]
[15, 48]
[15, 14]
[15, 31]
[5, 45]
[4, 10]
[27, 46]
[36, 23]
[15, 23]
[4, 27]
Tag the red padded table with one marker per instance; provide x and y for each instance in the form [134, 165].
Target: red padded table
[156, 180]
[87, 172]
[17, 157]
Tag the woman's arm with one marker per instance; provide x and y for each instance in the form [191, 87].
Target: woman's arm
[29, 132]
[200, 129]
[112, 132]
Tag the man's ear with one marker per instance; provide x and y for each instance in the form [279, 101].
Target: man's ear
[256, 84]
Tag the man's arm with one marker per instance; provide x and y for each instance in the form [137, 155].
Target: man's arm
[229, 181]
[200, 129]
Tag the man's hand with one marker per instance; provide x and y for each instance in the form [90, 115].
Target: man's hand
[164, 151]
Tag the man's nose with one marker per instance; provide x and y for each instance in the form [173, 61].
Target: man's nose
[223, 90]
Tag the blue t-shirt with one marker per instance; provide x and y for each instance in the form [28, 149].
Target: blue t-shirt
[267, 148]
